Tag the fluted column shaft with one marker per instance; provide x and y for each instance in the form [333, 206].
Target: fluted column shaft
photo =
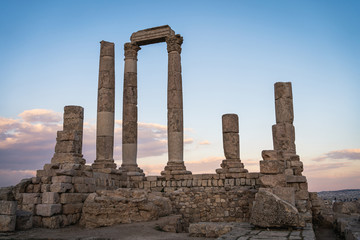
[105, 108]
[129, 132]
[175, 101]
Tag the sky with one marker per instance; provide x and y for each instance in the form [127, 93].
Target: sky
[233, 53]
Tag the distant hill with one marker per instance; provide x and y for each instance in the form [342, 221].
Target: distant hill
[345, 195]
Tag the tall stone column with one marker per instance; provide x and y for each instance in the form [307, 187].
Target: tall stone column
[283, 130]
[175, 163]
[68, 148]
[232, 164]
[129, 124]
[105, 108]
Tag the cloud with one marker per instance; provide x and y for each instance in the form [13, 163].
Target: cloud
[12, 177]
[349, 154]
[40, 115]
[206, 142]
[28, 142]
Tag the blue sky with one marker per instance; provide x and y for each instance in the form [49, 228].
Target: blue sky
[233, 53]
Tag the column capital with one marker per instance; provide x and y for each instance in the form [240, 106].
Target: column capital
[174, 43]
[130, 50]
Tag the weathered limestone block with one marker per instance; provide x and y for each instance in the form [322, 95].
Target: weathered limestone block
[283, 90]
[295, 179]
[107, 49]
[270, 155]
[231, 145]
[69, 135]
[271, 211]
[284, 110]
[50, 198]
[73, 197]
[7, 223]
[283, 102]
[285, 193]
[6, 194]
[104, 147]
[72, 208]
[47, 210]
[61, 187]
[284, 137]
[61, 179]
[278, 180]
[151, 35]
[230, 123]
[8, 207]
[123, 206]
[31, 198]
[173, 223]
[51, 222]
[272, 167]
[73, 118]
[24, 220]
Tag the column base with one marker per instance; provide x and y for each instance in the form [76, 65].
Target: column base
[132, 170]
[231, 166]
[174, 168]
[102, 164]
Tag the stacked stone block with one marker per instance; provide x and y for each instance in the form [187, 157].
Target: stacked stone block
[281, 168]
[68, 148]
[7, 216]
[231, 143]
[105, 108]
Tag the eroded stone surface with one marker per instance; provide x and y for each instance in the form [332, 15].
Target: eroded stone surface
[271, 211]
[123, 206]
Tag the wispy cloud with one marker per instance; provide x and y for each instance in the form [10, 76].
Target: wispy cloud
[348, 154]
[206, 142]
[28, 142]
[40, 115]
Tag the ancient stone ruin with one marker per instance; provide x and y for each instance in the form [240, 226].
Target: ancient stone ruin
[67, 191]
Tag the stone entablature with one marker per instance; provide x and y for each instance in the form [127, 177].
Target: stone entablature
[152, 35]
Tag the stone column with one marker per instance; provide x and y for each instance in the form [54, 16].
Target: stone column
[230, 128]
[105, 108]
[175, 163]
[283, 130]
[68, 148]
[129, 124]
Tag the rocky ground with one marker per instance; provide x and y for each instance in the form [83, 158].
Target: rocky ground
[133, 231]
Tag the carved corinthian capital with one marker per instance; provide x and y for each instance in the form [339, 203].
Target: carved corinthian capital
[131, 50]
[174, 43]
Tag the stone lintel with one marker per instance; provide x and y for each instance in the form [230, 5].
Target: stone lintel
[151, 35]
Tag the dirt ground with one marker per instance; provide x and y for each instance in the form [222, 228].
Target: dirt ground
[133, 231]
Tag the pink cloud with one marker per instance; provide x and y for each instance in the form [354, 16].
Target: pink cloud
[12, 177]
[40, 115]
[206, 142]
[350, 154]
